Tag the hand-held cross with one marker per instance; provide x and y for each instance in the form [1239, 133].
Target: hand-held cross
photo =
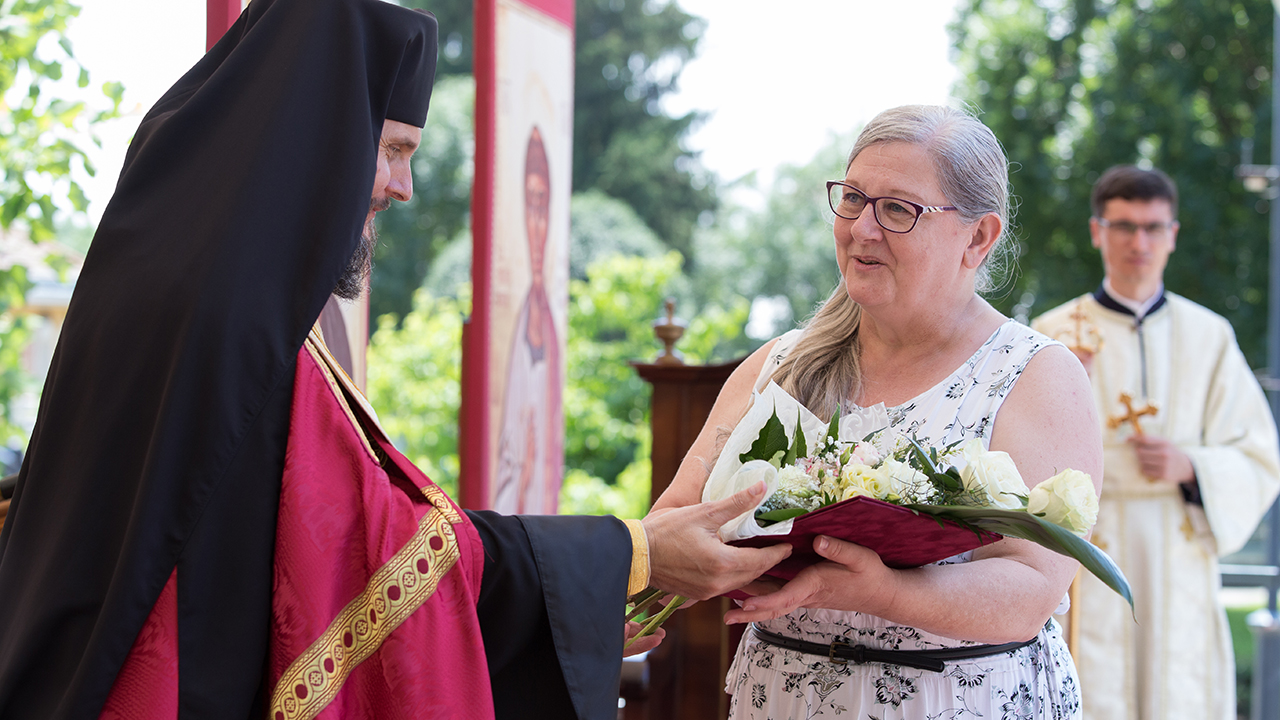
[1130, 415]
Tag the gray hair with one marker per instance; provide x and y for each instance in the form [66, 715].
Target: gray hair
[971, 167]
[823, 371]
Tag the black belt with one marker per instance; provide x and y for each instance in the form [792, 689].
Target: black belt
[839, 651]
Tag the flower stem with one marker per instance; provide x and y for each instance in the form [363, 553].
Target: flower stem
[642, 600]
[656, 621]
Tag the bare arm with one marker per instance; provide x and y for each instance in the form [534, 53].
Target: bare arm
[1006, 593]
[731, 405]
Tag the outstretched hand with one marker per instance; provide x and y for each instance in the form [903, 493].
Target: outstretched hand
[687, 556]
[854, 578]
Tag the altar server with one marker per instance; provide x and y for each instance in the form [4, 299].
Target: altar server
[1190, 462]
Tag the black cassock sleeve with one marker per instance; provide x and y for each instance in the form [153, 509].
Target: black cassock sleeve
[551, 607]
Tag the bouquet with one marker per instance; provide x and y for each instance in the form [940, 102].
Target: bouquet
[937, 502]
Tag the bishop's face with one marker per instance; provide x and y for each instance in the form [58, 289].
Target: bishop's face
[393, 179]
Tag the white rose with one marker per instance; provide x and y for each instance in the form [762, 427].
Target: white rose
[1066, 499]
[992, 473]
[902, 479]
[857, 479]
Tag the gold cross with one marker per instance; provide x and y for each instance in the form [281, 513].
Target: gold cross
[1131, 415]
[1086, 338]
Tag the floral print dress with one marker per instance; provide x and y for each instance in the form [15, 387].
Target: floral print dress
[1036, 681]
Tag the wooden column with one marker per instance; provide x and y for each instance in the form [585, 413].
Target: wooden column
[687, 671]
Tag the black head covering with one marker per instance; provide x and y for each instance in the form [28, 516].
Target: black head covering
[161, 432]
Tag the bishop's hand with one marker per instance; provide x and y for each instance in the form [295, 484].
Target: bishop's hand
[687, 556]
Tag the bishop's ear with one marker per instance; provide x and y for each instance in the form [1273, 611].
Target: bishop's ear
[985, 234]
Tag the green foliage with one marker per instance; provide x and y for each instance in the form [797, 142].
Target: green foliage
[771, 442]
[600, 226]
[785, 249]
[414, 373]
[610, 321]
[39, 133]
[628, 497]
[413, 234]
[1242, 648]
[40, 146]
[14, 334]
[414, 383]
[629, 54]
[1073, 87]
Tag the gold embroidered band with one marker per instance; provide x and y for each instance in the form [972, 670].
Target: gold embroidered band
[394, 592]
[639, 577]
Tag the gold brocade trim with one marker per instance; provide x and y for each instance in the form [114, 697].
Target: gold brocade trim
[320, 353]
[638, 578]
[394, 592]
[344, 379]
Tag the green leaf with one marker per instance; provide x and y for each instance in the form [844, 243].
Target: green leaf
[833, 427]
[798, 448]
[926, 465]
[1021, 524]
[771, 441]
[76, 194]
[774, 516]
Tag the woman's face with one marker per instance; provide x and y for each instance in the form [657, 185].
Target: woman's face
[905, 270]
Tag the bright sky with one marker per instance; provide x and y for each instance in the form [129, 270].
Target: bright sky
[776, 83]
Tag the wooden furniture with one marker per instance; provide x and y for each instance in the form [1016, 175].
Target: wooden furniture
[683, 678]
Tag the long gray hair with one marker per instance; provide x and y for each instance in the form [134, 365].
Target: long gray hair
[823, 370]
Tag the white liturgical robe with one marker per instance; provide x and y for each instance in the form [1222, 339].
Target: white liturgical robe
[1172, 657]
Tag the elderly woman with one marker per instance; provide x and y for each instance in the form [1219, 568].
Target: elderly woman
[920, 212]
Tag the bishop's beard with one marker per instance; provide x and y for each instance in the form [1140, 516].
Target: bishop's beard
[354, 278]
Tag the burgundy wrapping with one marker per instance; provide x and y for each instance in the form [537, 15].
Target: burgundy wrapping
[902, 537]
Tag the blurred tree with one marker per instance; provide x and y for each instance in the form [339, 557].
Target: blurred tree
[1072, 87]
[629, 54]
[611, 316]
[601, 226]
[414, 382]
[41, 138]
[782, 254]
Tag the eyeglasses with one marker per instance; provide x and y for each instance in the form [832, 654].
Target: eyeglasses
[1124, 228]
[893, 214]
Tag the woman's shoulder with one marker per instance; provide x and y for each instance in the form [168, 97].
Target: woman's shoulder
[1019, 334]
[773, 353]
[786, 341]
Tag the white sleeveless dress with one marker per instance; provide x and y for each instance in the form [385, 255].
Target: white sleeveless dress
[767, 682]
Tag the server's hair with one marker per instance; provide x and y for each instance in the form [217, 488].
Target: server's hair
[1130, 182]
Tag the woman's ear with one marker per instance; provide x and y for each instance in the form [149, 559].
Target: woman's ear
[985, 234]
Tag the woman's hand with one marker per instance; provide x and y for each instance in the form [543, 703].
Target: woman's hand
[854, 578]
[644, 644]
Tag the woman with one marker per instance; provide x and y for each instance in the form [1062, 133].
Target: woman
[905, 338]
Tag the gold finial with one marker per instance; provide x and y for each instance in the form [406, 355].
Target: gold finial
[668, 330]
